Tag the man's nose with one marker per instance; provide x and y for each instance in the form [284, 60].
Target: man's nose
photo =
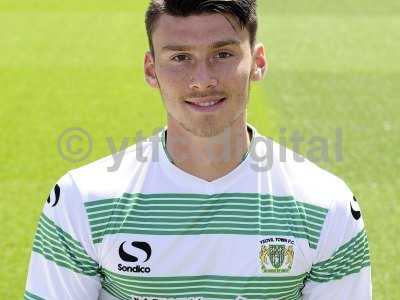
[202, 78]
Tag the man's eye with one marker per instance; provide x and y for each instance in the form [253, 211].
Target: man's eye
[224, 55]
[180, 57]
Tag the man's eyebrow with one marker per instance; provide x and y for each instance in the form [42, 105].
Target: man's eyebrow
[218, 44]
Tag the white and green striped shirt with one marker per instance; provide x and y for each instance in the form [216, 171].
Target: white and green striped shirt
[269, 229]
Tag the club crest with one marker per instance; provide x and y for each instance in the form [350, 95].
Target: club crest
[276, 255]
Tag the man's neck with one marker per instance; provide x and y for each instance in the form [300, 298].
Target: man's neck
[208, 158]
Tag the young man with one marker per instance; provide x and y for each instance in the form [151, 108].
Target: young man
[197, 212]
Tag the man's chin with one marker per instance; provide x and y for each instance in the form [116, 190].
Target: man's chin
[205, 129]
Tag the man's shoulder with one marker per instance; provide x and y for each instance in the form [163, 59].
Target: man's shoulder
[106, 177]
[306, 181]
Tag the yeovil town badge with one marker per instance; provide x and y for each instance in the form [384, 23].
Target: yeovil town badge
[276, 255]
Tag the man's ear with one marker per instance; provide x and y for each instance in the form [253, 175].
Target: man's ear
[150, 70]
[260, 65]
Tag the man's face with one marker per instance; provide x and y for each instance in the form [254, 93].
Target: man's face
[202, 67]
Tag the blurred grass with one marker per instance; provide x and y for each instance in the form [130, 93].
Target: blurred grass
[64, 64]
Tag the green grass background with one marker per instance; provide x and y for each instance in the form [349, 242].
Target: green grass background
[70, 63]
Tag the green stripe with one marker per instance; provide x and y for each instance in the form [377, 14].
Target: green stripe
[312, 242]
[205, 228]
[184, 214]
[263, 205]
[58, 246]
[294, 295]
[207, 286]
[162, 279]
[206, 219]
[202, 214]
[30, 296]
[350, 258]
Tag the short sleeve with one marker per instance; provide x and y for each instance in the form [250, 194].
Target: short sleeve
[341, 269]
[63, 262]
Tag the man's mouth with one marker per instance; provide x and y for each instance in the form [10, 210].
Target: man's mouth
[205, 104]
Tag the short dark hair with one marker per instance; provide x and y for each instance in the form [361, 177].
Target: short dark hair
[243, 10]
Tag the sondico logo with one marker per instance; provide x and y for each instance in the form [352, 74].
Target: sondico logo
[125, 256]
